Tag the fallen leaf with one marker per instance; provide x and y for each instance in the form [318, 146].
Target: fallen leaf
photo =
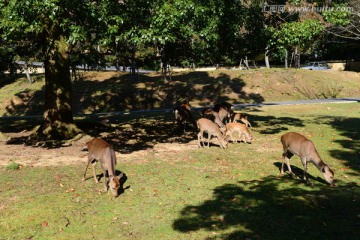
[44, 224]
[70, 190]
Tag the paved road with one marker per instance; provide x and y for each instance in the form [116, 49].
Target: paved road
[333, 100]
[236, 107]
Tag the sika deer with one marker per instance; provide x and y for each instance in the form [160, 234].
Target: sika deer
[206, 125]
[182, 115]
[225, 105]
[224, 109]
[296, 144]
[241, 117]
[224, 115]
[213, 116]
[101, 151]
[241, 129]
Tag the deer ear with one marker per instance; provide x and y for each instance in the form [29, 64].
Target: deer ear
[120, 176]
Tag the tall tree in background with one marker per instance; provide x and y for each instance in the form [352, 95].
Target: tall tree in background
[298, 36]
[344, 19]
[52, 27]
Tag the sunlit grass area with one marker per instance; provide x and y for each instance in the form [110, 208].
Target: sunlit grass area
[199, 193]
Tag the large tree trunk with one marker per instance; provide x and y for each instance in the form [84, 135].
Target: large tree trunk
[58, 119]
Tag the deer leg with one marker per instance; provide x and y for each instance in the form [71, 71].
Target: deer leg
[173, 125]
[282, 164]
[87, 165]
[94, 172]
[304, 162]
[106, 181]
[90, 159]
[199, 138]
[209, 136]
[286, 157]
[244, 138]
[179, 124]
[221, 145]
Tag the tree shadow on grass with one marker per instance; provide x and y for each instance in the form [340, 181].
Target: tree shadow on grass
[274, 124]
[123, 93]
[125, 132]
[138, 131]
[349, 128]
[298, 172]
[120, 92]
[275, 208]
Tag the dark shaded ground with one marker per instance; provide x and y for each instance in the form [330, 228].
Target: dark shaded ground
[112, 92]
[264, 211]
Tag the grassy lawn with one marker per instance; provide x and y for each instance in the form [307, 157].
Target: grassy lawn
[212, 193]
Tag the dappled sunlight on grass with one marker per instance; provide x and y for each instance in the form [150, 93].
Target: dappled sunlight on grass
[175, 190]
[273, 209]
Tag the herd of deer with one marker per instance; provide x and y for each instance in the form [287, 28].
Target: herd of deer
[220, 122]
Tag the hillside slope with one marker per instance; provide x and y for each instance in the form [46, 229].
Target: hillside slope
[113, 91]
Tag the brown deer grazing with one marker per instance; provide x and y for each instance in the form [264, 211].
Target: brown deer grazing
[183, 115]
[241, 129]
[212, 129]
[214, 116]
[240, 117]
[225, 110]
[101, 151]
[296, 144]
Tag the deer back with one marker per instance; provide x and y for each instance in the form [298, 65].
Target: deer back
[240, 128]
[206, 125]
[97, 148]
[300, 146]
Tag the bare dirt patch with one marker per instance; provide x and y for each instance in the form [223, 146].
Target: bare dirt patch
[41, 157]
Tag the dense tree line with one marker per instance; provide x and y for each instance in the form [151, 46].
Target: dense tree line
[154, 33]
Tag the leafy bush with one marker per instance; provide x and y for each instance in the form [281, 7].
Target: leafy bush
[13, 166]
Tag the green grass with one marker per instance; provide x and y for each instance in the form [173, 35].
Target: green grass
[212, 193]
[13, 166]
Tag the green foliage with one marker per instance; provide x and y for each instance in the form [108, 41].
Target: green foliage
[200, 32]
[299, 34]
[339, 15]
[38, 22]
[13, 166]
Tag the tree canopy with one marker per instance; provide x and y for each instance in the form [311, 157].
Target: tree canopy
[181, 32]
